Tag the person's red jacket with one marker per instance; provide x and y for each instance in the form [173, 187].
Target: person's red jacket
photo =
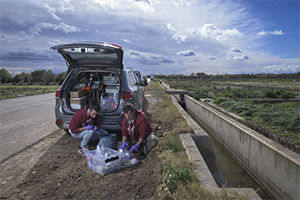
[81, 119]
[140, 128]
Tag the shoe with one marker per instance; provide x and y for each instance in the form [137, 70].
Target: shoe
[81, 150]
[142, 156]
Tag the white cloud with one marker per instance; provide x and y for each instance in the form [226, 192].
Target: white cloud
[178, 3]
[51, 11]
[66, 6]
[192, 31]
[211, 31]
[276, 32]
[179, 38]
[236, 57]
[235, 49]
[282, 68]
[54, 42]
[262, 33]
[126, 41]
[211, 57]
[186, 53]
[149, 58]
[124, 5]
[170, 27]
[37, 29]
[20, 36]
[236, 54]
[112, 4]
[145, 5]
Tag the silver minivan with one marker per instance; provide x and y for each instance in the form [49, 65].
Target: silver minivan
[96, 71]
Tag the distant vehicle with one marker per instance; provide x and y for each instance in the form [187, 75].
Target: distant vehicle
[152, 77]
[96, 71]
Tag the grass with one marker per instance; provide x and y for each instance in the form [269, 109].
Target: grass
[178, 179]
[12, 91]
[281, 119]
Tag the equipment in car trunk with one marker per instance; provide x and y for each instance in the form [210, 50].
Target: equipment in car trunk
[78, 103]
[77, 98]
[97, 87]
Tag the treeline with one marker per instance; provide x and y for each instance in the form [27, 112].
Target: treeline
[226, 77]
[41, 77]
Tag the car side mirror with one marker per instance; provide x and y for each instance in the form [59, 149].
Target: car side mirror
[144, 83]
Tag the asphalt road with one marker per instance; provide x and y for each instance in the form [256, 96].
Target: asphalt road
[24, 121]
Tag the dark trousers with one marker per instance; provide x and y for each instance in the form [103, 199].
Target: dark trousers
[148, 144]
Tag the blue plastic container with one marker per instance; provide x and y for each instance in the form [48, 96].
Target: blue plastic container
[109, 140]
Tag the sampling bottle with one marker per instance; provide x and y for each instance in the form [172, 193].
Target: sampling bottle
[127, 157]
[115, 98]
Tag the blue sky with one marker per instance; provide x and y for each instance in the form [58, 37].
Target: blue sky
[160, 36]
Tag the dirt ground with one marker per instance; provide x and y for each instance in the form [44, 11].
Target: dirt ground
[53, 169]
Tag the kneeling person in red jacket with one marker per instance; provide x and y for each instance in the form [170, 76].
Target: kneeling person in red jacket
[85, 124]
[137, 131]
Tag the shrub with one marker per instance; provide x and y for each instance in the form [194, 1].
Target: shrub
[288, 95]
[270, 94]
[196, 97]
[173, 142]
[173, 175]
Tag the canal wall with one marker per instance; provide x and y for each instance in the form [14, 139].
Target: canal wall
[274, 166]
[199, 145]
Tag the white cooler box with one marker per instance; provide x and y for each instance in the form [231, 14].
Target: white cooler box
[111, 162]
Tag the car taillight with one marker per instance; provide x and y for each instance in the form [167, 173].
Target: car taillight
[58, 122]
[128, 95]
[58, 94]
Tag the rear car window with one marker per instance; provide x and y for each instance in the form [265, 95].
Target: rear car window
[132, 79]
[92, 56]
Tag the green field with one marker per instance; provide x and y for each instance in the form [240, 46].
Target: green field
[249, 100]
[12, 91]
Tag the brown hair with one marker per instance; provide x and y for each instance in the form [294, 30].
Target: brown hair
[128, 107]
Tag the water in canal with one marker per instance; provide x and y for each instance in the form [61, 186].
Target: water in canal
[232, 173]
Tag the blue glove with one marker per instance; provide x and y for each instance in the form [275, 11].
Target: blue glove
[88, 127]
[95, 128]
[135, 147]
[124, 145]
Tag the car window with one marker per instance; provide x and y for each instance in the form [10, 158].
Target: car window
[110, 77]
[86, 56]
[132, 79]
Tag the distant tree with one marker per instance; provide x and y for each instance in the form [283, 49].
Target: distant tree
[5, 76]
[37, 76]
[48, 77]
[17, 78]
[60, 77]
[42, 76]
[25, 77]
[22, 77]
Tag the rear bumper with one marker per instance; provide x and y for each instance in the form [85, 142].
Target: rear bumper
[107, 123]
[103, 125]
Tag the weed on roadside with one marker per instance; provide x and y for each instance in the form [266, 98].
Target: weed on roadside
[282, 119]
[8, 92]
[178, 179]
